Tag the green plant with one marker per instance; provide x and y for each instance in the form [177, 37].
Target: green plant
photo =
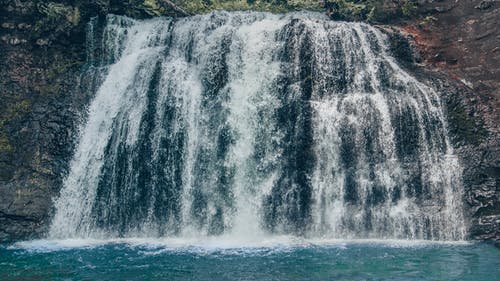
[347, 10]
[57, 17]
[153, 8]
[409, 9]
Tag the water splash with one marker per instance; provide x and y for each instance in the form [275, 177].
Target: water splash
[254, 124]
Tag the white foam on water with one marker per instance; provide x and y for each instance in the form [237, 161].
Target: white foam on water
[223, 244]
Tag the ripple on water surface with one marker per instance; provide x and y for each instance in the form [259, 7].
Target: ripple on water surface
[274, 258]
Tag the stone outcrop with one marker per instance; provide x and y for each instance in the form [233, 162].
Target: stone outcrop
[39, 68]
[458, 42]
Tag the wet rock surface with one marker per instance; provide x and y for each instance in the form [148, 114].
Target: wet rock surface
[457, 41]
[40, 101]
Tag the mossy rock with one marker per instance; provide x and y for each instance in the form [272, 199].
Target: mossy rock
[276, 6]
[401, 49]
[12, 113]
[5, 145]
[409, 9]
[57, 18]
[347, 10]
[464, 127]
[375, 11]
[153, 8]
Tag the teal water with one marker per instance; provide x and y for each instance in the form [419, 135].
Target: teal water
[146, 260]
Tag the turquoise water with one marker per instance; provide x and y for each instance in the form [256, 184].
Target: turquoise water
[173, 260]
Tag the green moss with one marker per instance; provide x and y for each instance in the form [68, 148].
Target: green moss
[54, 72]
[428, 20]
[464, 127]
[381, 12]
[61, 67]
[348, 10]
[57, 17]
[375, 11]
[409, 9]
[5, 145]
[73, 16]
[48, 89]
[153, 8]
[13, 112]
[401, 49]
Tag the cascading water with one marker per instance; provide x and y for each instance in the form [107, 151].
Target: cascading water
[252, 124]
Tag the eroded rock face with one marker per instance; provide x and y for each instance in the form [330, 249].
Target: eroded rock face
[460, 40]
[477, 144]
[473, 127]
[476, 138]
[40, 102]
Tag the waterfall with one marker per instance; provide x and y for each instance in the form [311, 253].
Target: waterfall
[252, 124]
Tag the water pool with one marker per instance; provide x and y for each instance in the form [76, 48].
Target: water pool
[145, 259]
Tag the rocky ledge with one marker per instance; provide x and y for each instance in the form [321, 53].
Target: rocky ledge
[458, 41]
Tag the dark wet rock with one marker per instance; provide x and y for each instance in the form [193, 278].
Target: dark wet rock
[472, 123]
[462, 45]
[485, 4]
[41, 104]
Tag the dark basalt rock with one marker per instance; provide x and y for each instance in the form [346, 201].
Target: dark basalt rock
[485, 4]
[475, 136]
[41, 104]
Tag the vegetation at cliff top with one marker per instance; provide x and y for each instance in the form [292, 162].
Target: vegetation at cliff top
[351, 10]
[202, 6]
[159, 7]
[63, 16]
